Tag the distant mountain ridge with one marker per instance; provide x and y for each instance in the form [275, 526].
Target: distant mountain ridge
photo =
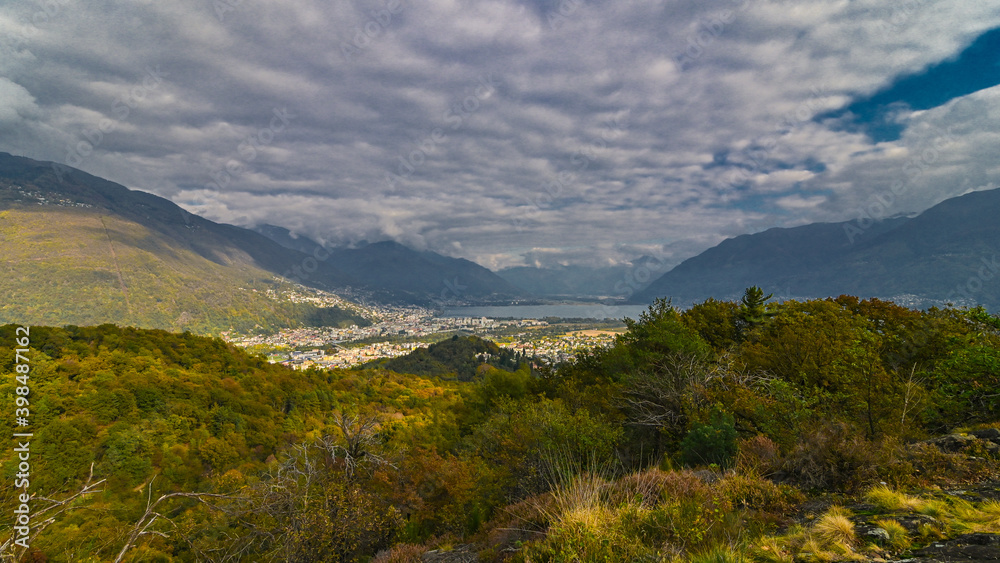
[419, 276]
[78, 249]
[948, 253]
[579, 282]
[216, 242]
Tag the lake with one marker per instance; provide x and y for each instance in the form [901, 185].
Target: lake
[566, 311]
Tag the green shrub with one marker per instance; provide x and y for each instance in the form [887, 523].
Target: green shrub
[751, 492]
[837, 457]
[712, 443]
[127, 457]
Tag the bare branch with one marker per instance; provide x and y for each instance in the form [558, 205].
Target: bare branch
[56, 508]
[150, 517]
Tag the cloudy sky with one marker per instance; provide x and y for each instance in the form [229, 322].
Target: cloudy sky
[514, 132]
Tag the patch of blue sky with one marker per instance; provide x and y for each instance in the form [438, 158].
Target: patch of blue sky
[882, 115]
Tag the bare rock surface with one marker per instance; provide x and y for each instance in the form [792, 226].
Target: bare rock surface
[967, 548]
[458, 554]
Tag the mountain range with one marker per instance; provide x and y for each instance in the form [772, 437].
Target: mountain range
[397, 272]
[585, 282]
[946, 254]
[83, 250]
[78, 249]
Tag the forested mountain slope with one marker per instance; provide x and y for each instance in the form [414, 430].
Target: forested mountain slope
[239, 459]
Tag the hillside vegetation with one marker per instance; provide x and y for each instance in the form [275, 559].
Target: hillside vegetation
[727, 432]
[454, 358]
[168, 234]
[81, 266]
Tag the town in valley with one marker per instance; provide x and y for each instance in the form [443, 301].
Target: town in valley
[398, 330]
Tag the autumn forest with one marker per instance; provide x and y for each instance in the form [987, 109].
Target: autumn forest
[699, 435]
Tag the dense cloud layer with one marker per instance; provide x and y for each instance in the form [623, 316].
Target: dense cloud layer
[504, 131]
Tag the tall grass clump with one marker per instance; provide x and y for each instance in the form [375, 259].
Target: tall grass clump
[899, 538]
[836, 529]
[583, 524]
[991, 507]
[719, 554]
[831, 537]
[648, 515]
[889, 499]
[585, 527]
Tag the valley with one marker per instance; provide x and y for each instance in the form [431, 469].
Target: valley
[399, 331]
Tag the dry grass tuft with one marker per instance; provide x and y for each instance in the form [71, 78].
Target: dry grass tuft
[719, 554]
[835, 528]
[773, 550]
[650, 487]
[991, 507]
[831, 537]
[934, 508]
[899, 538]
[889, 499]
[813, 551]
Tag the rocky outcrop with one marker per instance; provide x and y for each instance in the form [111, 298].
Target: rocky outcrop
[991, 434]
[968, 548]
[459, 554]
[987, 439]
